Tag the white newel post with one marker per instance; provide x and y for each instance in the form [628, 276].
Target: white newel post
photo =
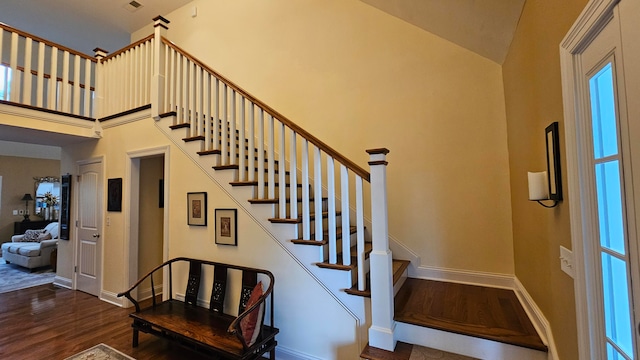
[381, 333]
[98, 102]
[158, 79]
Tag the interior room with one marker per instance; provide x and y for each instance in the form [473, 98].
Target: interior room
[323, 169]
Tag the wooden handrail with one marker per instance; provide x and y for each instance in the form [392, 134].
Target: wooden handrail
[46, 76]
[46, 42]
[290, 124]
[128, 47]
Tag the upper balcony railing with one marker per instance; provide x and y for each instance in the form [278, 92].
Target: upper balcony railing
[39, 73]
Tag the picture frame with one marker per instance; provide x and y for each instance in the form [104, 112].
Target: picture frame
[226, 227]
[554, 176]
[114, 194]
[197, 208]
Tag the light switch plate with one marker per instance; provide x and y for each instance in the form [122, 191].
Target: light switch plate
[566, 261]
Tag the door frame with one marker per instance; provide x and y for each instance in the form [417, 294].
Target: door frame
[589, 313]
[76, 202]
[132, 215]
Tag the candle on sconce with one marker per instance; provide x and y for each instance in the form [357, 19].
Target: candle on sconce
[538, 186]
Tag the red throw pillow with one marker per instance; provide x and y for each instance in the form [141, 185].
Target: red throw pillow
[250, 325]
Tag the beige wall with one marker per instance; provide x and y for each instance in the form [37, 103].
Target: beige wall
[17, 179]
[358, 79]
[334, 334]
[533, 96]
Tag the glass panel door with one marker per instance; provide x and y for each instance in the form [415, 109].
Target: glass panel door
[613, 242]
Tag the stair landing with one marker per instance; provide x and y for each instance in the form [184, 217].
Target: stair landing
[482, 312]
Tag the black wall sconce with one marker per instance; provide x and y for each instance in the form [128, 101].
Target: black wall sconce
[547, 185]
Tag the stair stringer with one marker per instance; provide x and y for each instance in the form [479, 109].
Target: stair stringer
[333, 281]
[463, 344]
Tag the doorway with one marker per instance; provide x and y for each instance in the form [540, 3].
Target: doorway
[601, 181]
[89, 224]
[148, 207]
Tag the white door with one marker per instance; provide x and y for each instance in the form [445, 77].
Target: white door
[89, 249]
[608, 208]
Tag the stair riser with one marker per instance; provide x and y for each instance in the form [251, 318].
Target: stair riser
[463, 344]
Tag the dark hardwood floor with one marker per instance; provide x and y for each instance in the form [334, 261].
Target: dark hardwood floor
[47, 322]
[489, 313]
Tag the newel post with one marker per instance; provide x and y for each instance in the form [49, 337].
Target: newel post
[98, 102]
[158, 79]
[381, 333]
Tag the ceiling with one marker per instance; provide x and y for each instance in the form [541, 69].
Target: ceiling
[485, 27]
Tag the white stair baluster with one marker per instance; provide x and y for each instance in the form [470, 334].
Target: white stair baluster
[26, 74]
[76, 85]
[251, 171]
[282, 193]
[87, 88]
[65, 89]
[306, 221]
[241, 143]
[40, 76]
[362, 281]
[346, 230]
[216, 115]
[224, 124]
[53, 80]
[331, 211]
[232, 129]
[206, 112]
[14, 91]
[199, 108]
[317, 187]
[293, 176]
[261, 155]
[271, 167]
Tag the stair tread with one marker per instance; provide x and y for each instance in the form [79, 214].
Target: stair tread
[399, 266]
[277, 200]
[298, 220]
[483, 312]
[353, 253]
[255, 183]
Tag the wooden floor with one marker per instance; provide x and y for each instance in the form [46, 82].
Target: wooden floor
[488, 313]
[46, 322]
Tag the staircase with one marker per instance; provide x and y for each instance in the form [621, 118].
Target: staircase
[325, 210]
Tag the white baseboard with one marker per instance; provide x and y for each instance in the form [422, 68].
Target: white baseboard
[464, 277]
[63, 282]
[112, 298]
[144, 294]
[283, 353]
[537, 318]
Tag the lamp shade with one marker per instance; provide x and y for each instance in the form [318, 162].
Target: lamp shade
[27, 197]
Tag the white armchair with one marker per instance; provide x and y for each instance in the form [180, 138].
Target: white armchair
[32, 249]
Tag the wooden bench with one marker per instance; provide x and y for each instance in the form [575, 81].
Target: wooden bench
[210, 331]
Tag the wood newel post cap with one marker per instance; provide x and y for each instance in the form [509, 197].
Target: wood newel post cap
[378, 156]
[160, 21]
[383, 151]
[100, 53]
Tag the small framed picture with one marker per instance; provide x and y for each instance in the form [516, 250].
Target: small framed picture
[226, 227]
[197, 208]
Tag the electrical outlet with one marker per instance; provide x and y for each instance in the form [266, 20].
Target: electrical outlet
[15, 212]
[21, 212]
[566, 261]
